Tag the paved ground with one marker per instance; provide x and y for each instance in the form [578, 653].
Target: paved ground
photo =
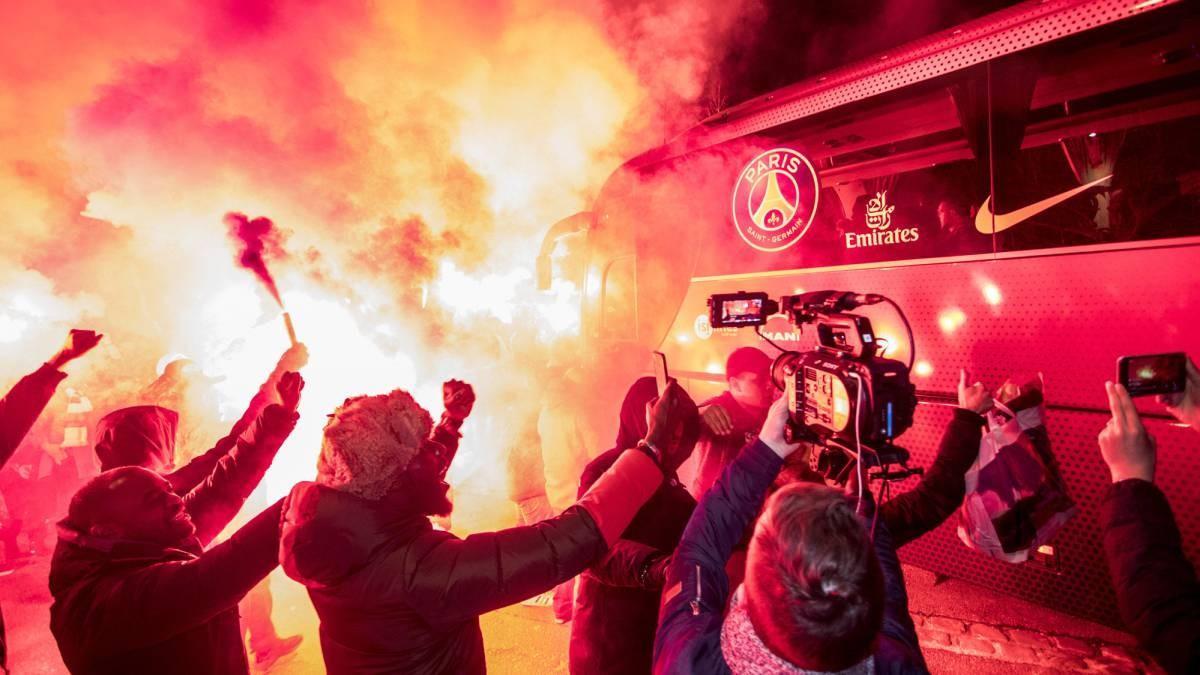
[963, 628]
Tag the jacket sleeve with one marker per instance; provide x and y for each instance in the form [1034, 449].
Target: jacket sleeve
[1157, 592]
[632, 564]
[20, 407]
[187, 477]
[458, 579]
[942, 488]
[157, 602]
[216, 500]
[447, 433]
[897, 621]
[689, 628]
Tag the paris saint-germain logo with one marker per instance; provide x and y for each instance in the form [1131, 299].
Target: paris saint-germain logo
[775, 199]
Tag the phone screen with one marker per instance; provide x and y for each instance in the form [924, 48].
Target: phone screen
[1153, 373]
[660, 371]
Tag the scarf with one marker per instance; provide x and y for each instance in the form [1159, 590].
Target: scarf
[746, 654]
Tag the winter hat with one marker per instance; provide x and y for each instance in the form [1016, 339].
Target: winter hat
[369, 441]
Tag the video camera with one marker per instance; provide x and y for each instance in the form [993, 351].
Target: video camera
[843, 396]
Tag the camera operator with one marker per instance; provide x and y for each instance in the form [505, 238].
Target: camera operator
[395, 595]
[1158, 594]
[819, 594]
[616, 607]
[730, 420]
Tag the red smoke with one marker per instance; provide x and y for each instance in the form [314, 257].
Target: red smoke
[255, 238]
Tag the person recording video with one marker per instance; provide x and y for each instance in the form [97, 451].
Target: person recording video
[820, 594]
[1158, 594]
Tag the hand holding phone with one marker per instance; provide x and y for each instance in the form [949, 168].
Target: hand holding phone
[660, 371]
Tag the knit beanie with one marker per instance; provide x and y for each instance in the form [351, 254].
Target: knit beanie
[369, 441]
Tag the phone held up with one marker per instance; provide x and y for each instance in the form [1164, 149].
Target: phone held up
[660, 371]
[1153, 373]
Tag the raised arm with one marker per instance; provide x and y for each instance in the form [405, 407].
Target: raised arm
[1158, 594]
[216, 500]
[458, 398]
[187, 477]
[463, 578]
[20, 407]
[942, 487]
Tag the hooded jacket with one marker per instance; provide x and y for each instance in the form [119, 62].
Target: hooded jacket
[395, 595]
[213, 486]
[616, 605]
[124, 607]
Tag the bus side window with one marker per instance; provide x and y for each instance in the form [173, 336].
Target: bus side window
[618, 299]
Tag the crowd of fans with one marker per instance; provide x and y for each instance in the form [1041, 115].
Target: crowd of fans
[759, 567]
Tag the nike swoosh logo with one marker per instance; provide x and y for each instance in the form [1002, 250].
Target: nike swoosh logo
[984, 222]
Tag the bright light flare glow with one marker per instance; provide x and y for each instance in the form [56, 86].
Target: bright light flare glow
[991, 294]
[922, 368]
[12, 328]
[951, 319]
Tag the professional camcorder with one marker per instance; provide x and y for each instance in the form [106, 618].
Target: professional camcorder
[844, 396]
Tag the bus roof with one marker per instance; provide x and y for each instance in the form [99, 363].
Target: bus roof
[1010, 30]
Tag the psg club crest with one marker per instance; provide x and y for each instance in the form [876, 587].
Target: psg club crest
[775, 199]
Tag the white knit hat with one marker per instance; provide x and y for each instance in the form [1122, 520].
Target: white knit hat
[369, 441]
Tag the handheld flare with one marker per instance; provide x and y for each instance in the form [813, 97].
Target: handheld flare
[291, 330]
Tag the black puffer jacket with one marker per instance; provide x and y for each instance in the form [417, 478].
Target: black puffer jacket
[132, 608]
[396, 596]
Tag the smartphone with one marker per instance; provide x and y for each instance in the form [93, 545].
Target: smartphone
[1153, 373]
[660, 371]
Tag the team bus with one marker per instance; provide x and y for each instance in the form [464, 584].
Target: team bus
[1025, 187]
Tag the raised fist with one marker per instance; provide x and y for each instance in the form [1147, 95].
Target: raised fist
[79, 342]
[289, 388]
[457, 398]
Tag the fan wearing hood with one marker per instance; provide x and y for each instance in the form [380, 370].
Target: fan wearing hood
[616, 606]
[134, 592]
[215, 485]
[395, 595]
[144, 436]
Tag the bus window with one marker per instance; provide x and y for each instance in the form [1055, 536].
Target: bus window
[618, 304]
[1110, 145]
